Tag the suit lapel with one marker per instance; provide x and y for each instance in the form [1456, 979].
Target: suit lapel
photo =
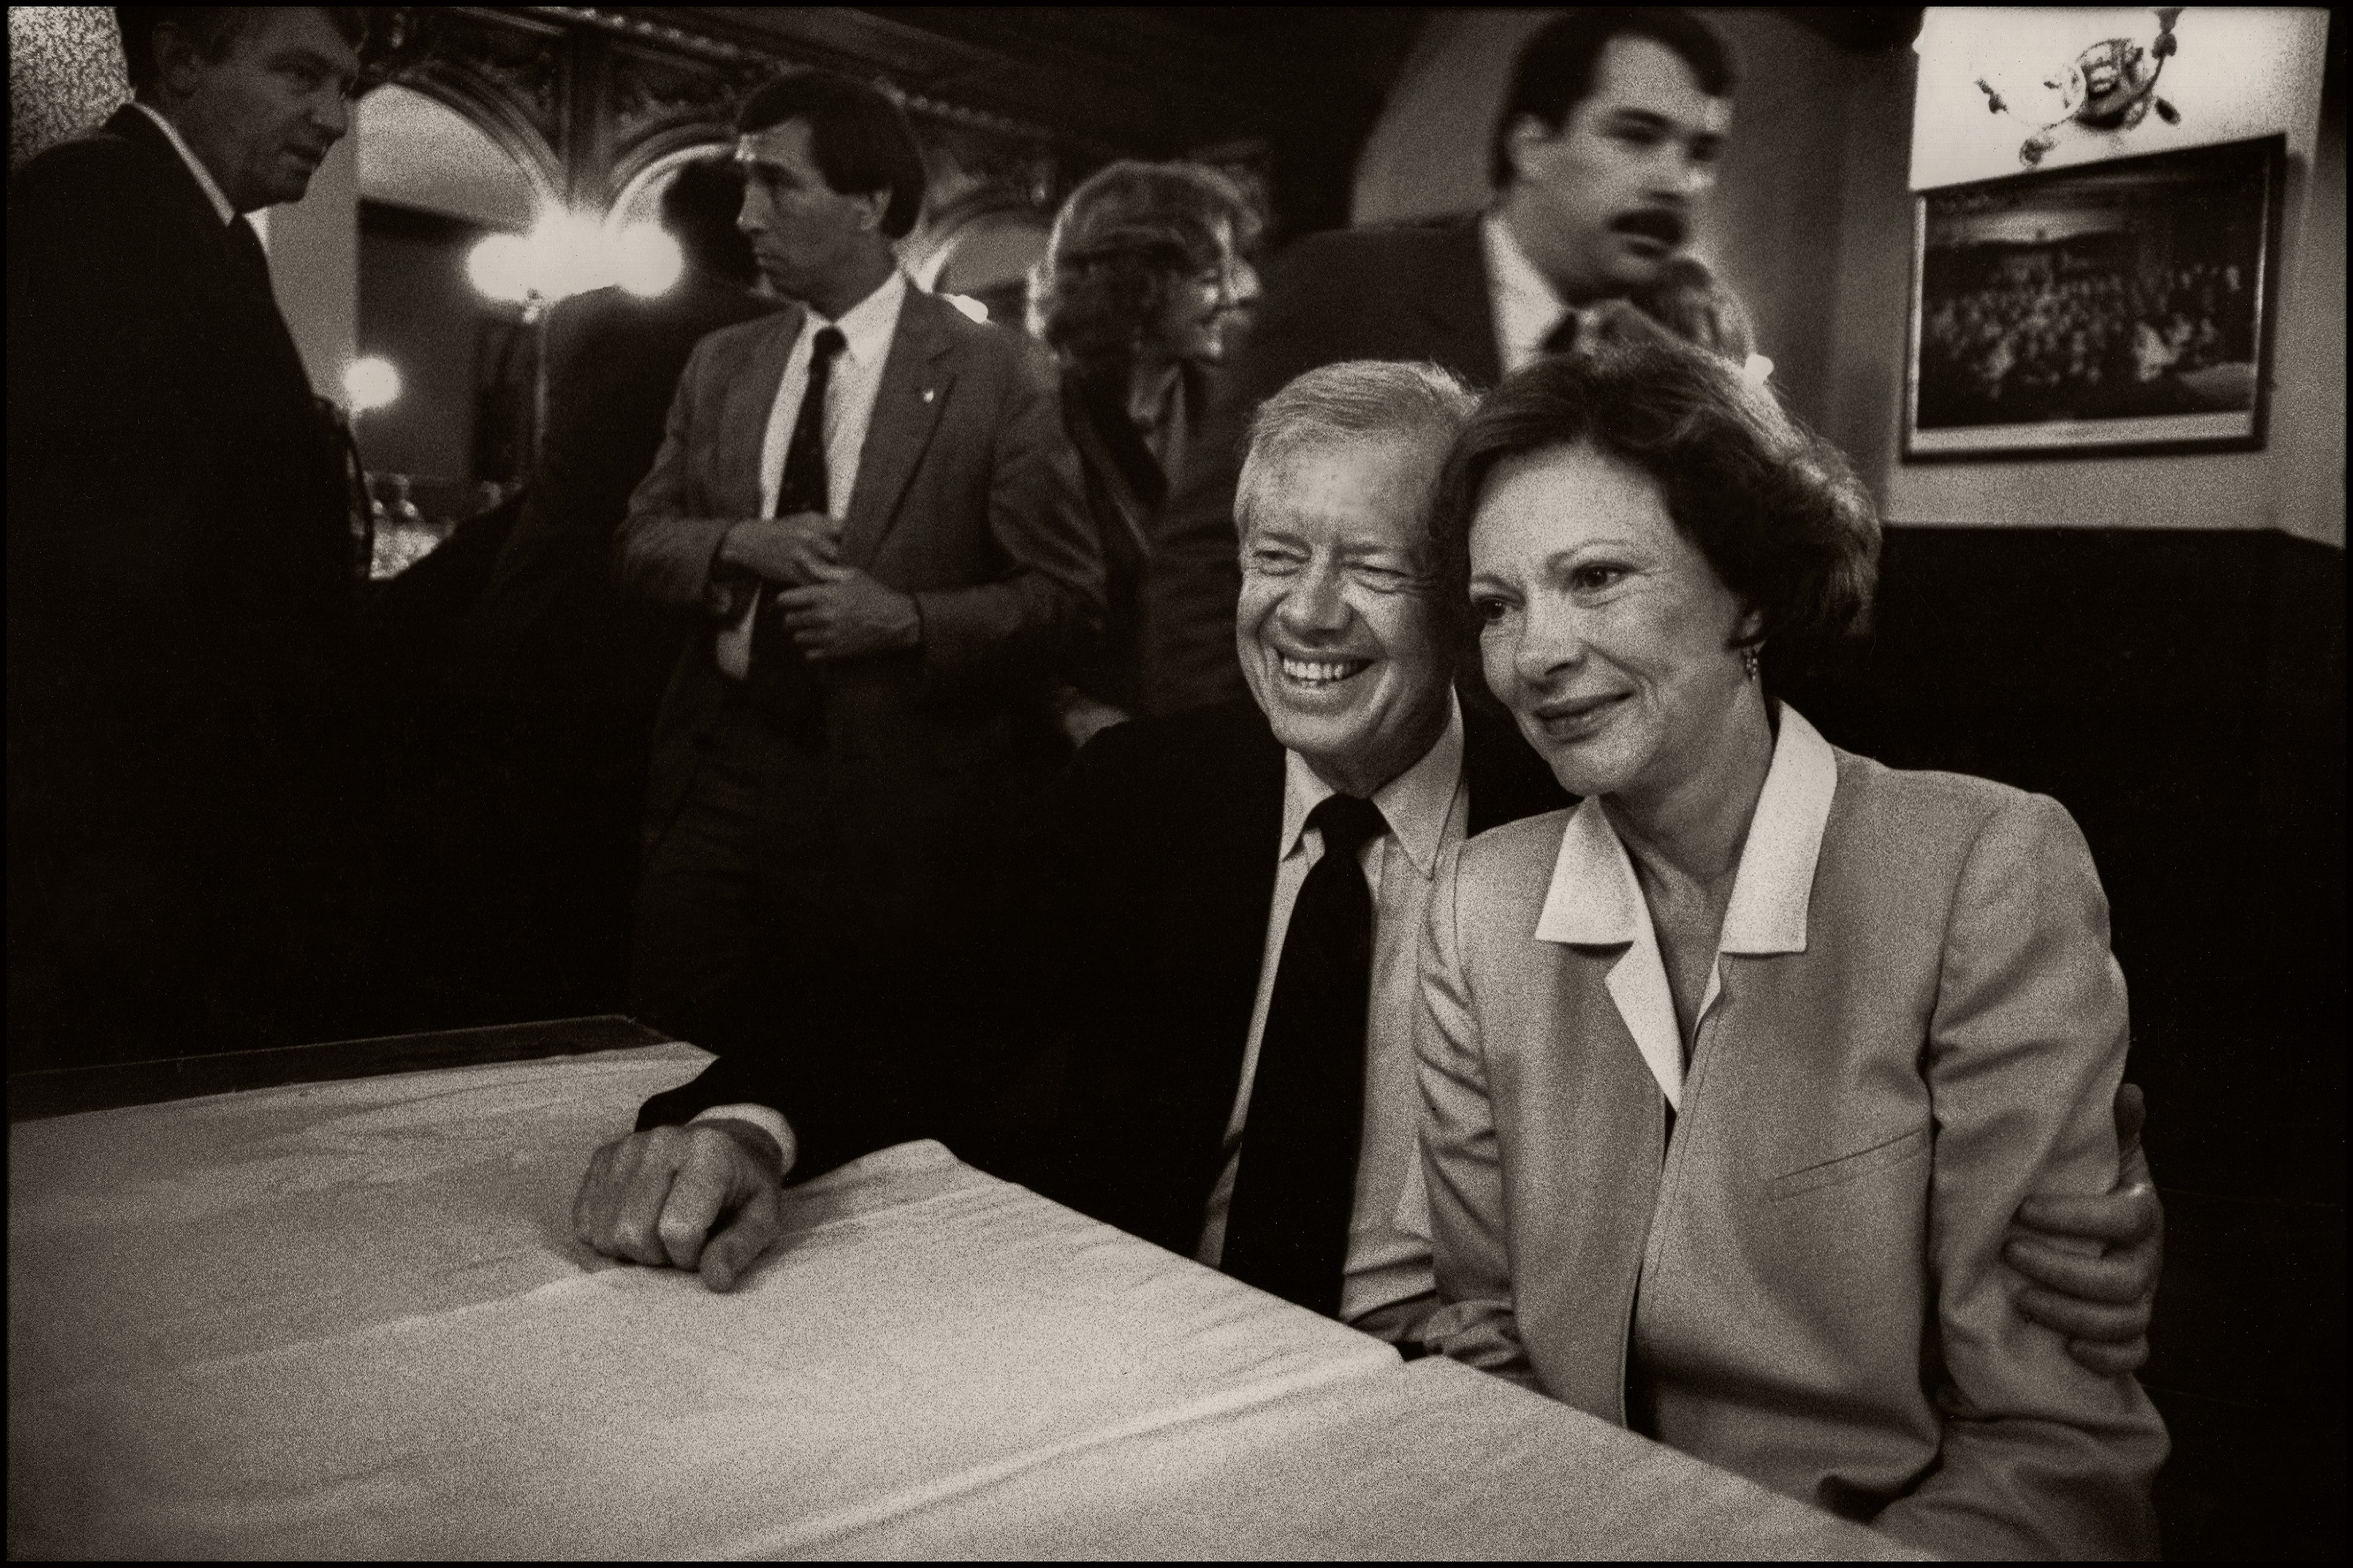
[1459, 306]
[246, 317]
[195, 208]
[1213, 931]
[1241, 862]
[743, 416]
[1612, 1143]
[270, 327]
[907, 406]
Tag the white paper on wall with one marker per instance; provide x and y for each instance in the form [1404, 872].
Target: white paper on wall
[2003, 90]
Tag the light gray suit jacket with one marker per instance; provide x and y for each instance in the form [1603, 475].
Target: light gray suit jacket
[1803, 1285]
[967, 498]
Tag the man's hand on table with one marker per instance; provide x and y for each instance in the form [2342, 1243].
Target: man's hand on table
[2102, 1302]
[704, 1197]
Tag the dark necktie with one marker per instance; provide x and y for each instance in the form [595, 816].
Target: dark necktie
[779, 680]
[1287, 1228]
[1563, 337]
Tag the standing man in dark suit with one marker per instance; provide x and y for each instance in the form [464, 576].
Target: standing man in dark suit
[180, 554]
[1608, 138]
[1238, 997]
[870, 503]
[571, 666]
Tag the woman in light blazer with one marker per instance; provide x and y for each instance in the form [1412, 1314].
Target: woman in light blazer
[1736, 1072]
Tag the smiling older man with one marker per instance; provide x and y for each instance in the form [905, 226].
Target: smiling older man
[1234, 897]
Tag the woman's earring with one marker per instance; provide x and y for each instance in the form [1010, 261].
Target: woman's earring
[1748, 661]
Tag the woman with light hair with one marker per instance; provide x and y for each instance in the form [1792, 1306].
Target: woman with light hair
[1141, 295]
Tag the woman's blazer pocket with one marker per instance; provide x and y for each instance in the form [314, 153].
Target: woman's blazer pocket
[1900, 1149]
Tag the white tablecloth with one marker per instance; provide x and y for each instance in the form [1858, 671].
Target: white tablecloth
[349, 1320]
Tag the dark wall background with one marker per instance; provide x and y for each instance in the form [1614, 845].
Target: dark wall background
[418, 310]
[2182, 692]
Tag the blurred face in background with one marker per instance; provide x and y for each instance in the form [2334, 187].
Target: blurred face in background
[262, 117]
[1601, 203]
[1339, 633]
[1601, 625]
[804, 233]
[1206, 310]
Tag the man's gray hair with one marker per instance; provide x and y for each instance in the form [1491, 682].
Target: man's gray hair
[1362, 402]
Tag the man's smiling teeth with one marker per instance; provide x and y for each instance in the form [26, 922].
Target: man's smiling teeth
[1322, 670]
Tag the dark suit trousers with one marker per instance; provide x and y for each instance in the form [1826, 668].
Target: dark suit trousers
[738, 913]
[838, 952]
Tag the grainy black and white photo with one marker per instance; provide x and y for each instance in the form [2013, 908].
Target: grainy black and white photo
[1176, 782]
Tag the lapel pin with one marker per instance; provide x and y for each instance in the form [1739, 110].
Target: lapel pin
[929, 393]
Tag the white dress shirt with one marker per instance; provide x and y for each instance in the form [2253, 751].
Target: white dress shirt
[1527, 307]
[195, 166]
[866, 329]
[1427, 811]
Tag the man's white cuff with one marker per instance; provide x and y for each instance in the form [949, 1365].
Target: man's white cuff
[770, 1122]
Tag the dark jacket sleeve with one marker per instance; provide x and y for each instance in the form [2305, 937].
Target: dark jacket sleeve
[852, 1099]
[840, 1109]
[1058, 996]
[179, 538]
[665, 551]
[109, 477]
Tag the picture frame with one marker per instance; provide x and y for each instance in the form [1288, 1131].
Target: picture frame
[2119, 307]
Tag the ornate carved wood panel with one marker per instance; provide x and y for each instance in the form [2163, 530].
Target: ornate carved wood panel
[587, 100]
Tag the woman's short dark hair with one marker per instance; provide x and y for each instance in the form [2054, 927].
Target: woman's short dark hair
[860, 139]
[211, 28]
[1555, 69]
[1122, 241]
[1774, 508]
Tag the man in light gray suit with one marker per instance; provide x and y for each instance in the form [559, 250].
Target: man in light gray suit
[872, 499]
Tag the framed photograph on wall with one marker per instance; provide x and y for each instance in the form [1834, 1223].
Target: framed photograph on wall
[2115, 307]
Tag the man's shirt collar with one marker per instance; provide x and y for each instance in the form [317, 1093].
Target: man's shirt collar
[195, 164]
[866, 327]
[1528, 307]
[1416, 804]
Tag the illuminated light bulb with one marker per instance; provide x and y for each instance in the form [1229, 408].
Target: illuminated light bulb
[645, 260]
[501, 267]
[371, 382]
[568, 256]
[969, 306]
[1757, 371]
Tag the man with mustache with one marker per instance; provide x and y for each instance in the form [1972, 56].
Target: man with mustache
[182, 556]
[1233, 897]
[1608, 136]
